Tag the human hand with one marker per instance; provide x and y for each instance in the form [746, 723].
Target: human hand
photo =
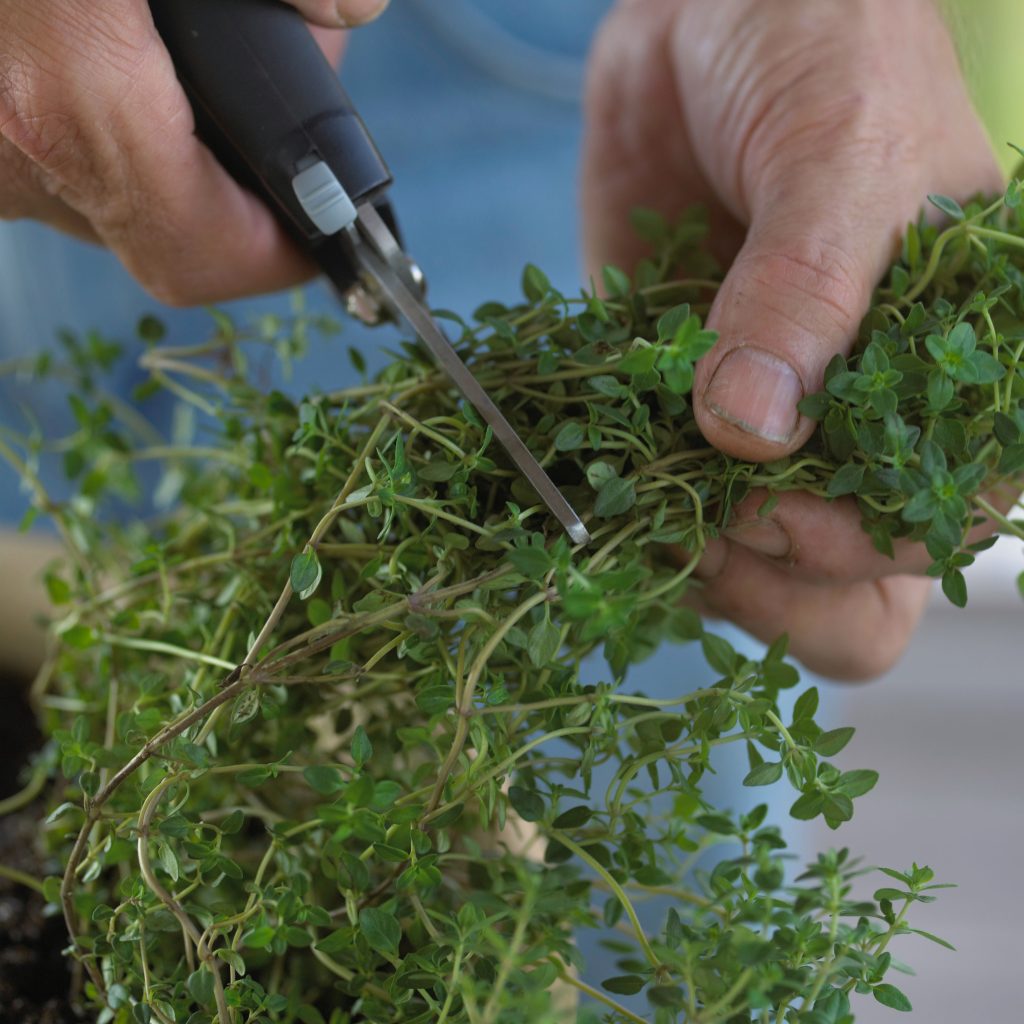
[812, 133]
[97, 139]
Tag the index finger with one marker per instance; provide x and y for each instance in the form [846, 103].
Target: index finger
[822, 541]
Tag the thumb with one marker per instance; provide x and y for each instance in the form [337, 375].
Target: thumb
[827, 167]
[793, 298]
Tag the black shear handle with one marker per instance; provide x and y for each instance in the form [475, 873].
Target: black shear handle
[270, 105]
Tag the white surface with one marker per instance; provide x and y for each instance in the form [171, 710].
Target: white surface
[944, 729]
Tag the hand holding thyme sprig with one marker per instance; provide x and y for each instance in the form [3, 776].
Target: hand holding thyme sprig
[299, 722]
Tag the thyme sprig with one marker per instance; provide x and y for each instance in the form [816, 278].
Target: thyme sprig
[325, 745]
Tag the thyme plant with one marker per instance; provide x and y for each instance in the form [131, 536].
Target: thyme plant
[321, 746]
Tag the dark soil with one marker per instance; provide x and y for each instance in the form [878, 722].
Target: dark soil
[34, 977]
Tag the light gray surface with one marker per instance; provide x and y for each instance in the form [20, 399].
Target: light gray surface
[944, 729]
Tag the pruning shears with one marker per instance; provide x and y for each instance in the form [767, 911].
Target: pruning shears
[271, 107]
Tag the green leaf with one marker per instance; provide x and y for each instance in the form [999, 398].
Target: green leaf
[837, 807]
[1011, 461]
[807, 806]
[719, 653]
[306, 573]
[570, 437]
[892, 895]
[858, 782]
[649, 224]
[609, 386]
[828, 744]
[535, 283]
[846, 480]
[380, 929]
[891, 996]
[337, 941]
[934, 938]
[325, 779]
[969, 478]
[954, 586]
[79, 637]
[986, 368]
[150, 329]
[616, 283]
[51, 889]
[1006, 429]
[543, 642]
[669, 323]
[624, 984]
[921, 507]
[599, 473]
[254, 776]
[318, 611]
[526, 803]
[815, 406]
[362, 748]
[948, 206]
[200, 986]
[638, 360]
[806, 704]
[670, 996]
[260, 937]
[533, 562]
[435, 699]
[245, 706]
[764, 774]
[616, 497]
[575, 817]
[961, 340]
[57, 588]
[939, 391]
[233, 822]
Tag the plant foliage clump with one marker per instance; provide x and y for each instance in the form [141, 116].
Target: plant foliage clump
[322, 746]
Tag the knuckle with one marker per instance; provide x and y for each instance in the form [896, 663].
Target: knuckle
[813, 268]
[36, 124]
[52, 139]
[65, 73]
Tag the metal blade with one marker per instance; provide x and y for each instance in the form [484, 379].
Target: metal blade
[375, 253]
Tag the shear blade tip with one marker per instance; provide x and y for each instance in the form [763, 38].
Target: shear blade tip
[578, 533]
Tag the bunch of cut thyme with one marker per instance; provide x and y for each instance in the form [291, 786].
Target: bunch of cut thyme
[320, 746]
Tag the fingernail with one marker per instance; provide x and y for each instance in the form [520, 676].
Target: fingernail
[757, 392]
[353, 13]
[765, 536]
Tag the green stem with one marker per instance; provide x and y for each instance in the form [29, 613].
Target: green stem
[596, 994]
[28, 793]
[1007, 525]
[160, 647]
[21, 878]
[618, 892]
